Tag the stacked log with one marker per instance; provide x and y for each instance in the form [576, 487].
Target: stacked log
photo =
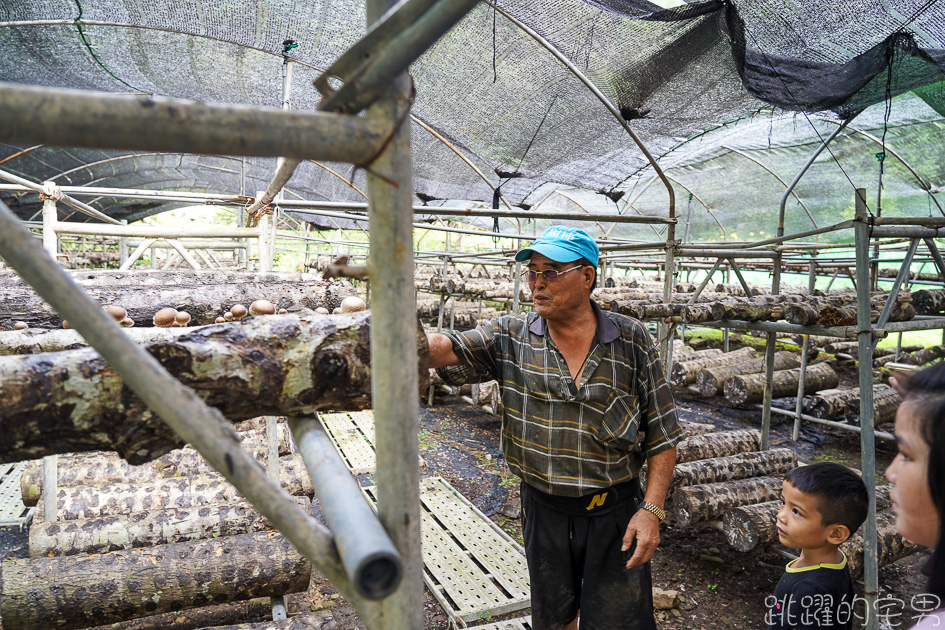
[749, 388]
[711, 379]
[717, 444]
[147, 529]
[929, 301]
[926, 355]
[885, 403]
[74, 502]
[685, 370]
[829, 402]
[890, 545]
[107, 467]
[753, 464]
[205, 294]
[67, 592]
[706, 502]
[250, 611]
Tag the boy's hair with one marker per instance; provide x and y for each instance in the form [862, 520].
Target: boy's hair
[840, 493]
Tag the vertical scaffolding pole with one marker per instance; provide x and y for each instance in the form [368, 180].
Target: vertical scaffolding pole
[50, 218]
[867, 438]
[394, 346]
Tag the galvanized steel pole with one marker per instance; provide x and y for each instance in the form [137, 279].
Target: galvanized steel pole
[394, 345]
[867, 439]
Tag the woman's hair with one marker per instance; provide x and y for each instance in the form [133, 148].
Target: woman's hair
[925, 392]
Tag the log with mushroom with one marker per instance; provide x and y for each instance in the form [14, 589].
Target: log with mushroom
[352, 304]
[262, 307]
[165, 318]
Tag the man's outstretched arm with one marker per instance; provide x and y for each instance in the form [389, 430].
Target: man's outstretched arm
[441, 351]
[644, 527]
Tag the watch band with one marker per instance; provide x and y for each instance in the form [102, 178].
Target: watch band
[657, 511]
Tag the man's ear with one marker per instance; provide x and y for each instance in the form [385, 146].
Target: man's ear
[589, 273]
[838, 534]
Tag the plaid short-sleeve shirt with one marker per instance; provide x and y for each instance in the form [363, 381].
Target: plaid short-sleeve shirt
[561, 439]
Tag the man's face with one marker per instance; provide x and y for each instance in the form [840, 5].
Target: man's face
[559, 298]
[799, 522]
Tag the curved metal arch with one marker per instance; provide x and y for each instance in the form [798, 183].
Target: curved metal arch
[704, 204]
[597, 93]
[776, 176]
[19, 153]
[924, 185]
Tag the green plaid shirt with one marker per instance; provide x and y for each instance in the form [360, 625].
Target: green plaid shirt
[563, 440]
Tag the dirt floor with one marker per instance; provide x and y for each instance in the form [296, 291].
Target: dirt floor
[720, 588]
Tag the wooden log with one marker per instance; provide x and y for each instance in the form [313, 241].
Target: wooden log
[251, 610]
[745, 310]
[885, 404]
[926, 355]
[706, 502]
[686, 369]
[305, 621]
[74, 502]
[106, 467]
[205, 294]
[274, 365]
[696, 447]
[696, 428]
[749, 388]
[889, 545]
[803, 314]
[147, 529]
[710, 380]
[67, 592]
[829, 402]
[841, 346]
[749, 526]
[929, 301]
[741, 466]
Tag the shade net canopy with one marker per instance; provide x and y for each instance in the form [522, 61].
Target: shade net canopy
[731, 99]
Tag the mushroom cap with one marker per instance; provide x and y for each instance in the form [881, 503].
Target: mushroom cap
[65, 324]
[165, 318]
[127, 322]
[228, 316]
[182, 318]
[282, 311]
[219, 320]
[239, 311]
[336, 311]
[20, 326]
[116, 311]
[262, 307]
[322, 310]
[352, 304]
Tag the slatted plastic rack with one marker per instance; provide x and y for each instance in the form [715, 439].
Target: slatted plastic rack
[523, 623]
[12, 510]
[472, 567]
[353, 435]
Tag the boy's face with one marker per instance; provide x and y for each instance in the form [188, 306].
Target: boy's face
[799, 522]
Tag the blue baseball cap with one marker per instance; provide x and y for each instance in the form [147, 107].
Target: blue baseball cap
[562, 244]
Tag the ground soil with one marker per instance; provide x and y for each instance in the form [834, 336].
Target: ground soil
[720, 588]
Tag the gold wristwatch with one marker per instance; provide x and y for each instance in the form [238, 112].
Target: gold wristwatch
[657, 511]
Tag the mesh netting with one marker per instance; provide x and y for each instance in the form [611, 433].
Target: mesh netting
[712, 88]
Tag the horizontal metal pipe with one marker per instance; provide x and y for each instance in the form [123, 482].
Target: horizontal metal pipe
[136, 193]
[829, 423]
[75, 118]
[919, 323]
[65, 199]
[722, 253]
[907, 231]
[342, 206]
[154, 231]
[419, 226]
[844, 332]
[372, 562]
[932, 221]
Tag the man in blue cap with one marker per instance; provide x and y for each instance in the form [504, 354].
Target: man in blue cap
[585, 404]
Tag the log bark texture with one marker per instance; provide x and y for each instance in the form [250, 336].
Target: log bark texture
[305, 621]
[926, 355]
[67, 592]
[749, 388]
[696, 447]
[741, 466]
[750, 526]
[147, 529]
[889, 545]
[706, 502]
[830, 402]
[107, 467]
[685, 370]
[75, 502]
[251, 610]
[205, 294]
[710, 380]
[274, 365]
[885, 403]
[929, 301]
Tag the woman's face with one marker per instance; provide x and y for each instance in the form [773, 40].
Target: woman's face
[916, 516]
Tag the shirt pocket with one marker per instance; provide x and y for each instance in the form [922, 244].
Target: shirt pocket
[621, 421]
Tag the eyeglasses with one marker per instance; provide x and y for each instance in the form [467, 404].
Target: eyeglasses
[550, 275]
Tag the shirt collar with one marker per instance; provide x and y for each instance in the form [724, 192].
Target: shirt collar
[606, 329]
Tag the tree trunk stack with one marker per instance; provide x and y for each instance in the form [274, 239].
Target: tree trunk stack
[686, 369]
[706, 502]
[710, 380]
[720, 444]
[889, 544]
[828, 403]
[749, 388]
[885, 403]
[730, 467]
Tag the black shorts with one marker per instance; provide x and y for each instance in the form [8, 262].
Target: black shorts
[575, 562]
